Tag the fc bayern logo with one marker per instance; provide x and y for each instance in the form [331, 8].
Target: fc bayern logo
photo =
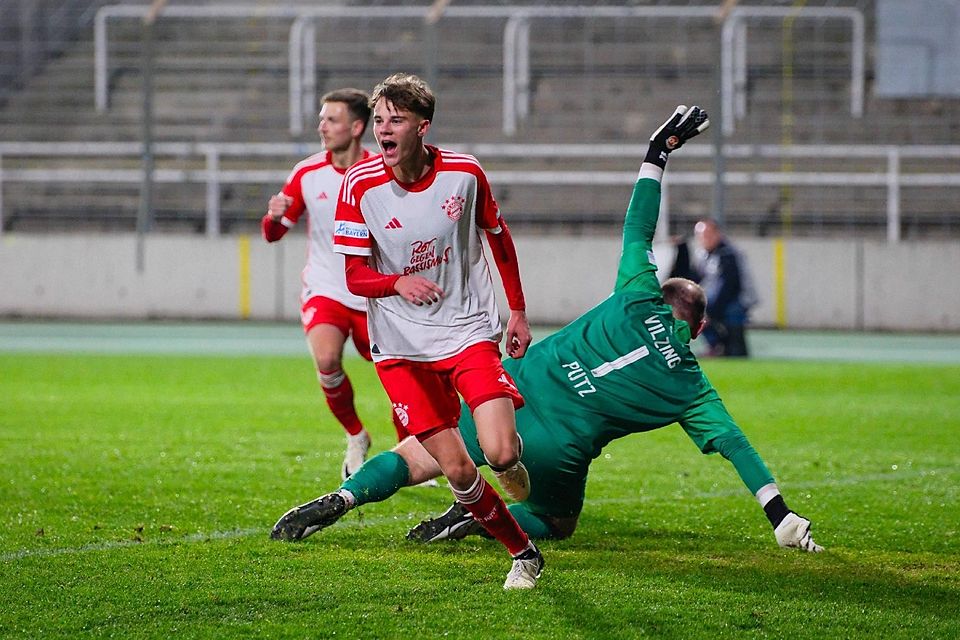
[454, 207]
[401, 411]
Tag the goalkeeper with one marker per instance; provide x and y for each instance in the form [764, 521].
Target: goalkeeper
[623, 367]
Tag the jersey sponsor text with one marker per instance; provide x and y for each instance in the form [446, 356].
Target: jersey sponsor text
[351, 230]
[424, 256]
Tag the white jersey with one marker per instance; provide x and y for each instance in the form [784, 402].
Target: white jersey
[314, 184]
[431, 228]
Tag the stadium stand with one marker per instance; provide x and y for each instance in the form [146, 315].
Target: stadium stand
[593, 80]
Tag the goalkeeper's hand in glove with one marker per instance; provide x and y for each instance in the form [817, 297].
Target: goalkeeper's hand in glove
[681, 126]
[794, 532]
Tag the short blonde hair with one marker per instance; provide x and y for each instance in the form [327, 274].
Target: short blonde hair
[408, 92]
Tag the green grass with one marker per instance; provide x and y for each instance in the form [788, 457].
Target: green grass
[137, 493]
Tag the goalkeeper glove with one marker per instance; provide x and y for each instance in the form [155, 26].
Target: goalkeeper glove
[681, 126]
[794, 532]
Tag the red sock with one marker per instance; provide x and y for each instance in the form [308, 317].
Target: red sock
[339, 393]
[489, 510]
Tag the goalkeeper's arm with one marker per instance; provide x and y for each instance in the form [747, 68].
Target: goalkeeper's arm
[685, 123]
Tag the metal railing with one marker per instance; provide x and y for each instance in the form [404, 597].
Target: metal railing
[34, 32]
[516, 45]
[213, 175]
[733, 55]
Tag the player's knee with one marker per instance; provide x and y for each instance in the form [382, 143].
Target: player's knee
[327, 362]
[562, 528]
[461, 475]
[501, 456]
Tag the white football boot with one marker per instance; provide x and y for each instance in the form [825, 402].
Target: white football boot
[525, 571]
[357, 447]
[515, 482]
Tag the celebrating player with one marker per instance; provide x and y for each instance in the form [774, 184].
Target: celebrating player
[330, 313]
[408, 221]
[623, 367]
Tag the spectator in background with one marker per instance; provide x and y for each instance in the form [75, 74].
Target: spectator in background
[723, 274]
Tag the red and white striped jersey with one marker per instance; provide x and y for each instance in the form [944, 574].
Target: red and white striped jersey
[314, 185]
[431, 228]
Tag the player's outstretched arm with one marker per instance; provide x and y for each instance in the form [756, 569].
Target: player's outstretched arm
[636, 264]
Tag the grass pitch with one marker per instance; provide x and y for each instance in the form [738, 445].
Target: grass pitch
[138, 492]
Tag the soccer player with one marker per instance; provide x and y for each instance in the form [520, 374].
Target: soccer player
[409, 223]
[330, 312]
[623, 367]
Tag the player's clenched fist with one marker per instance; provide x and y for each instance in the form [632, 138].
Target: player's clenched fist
[278, 205]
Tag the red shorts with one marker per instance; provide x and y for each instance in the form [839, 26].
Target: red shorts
[424, 394]
[350, 322]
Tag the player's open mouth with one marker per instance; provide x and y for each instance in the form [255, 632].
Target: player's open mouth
[388, 146]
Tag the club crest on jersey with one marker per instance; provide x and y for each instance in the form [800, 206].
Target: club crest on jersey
[453, 206]
[401, 411]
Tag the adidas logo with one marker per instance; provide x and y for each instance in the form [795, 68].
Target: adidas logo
[394, 224]
[323, 196]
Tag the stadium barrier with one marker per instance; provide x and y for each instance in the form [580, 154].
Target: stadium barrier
[839, 284]
[213, 176]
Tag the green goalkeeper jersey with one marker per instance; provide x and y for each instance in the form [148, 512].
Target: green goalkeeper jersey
[625, 366]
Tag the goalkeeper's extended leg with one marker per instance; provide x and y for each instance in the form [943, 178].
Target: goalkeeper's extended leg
[303, 521]
[378, 479]
[456, 523]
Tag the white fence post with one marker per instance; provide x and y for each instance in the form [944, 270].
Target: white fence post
[295, 75]
[213, 192]
[1, 195]
[309, 70]
[510, 74]
[893, 195]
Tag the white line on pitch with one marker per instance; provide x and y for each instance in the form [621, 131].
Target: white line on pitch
[356, 522]
[194, 537]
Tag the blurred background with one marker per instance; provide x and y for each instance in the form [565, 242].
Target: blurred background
[139, 143]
